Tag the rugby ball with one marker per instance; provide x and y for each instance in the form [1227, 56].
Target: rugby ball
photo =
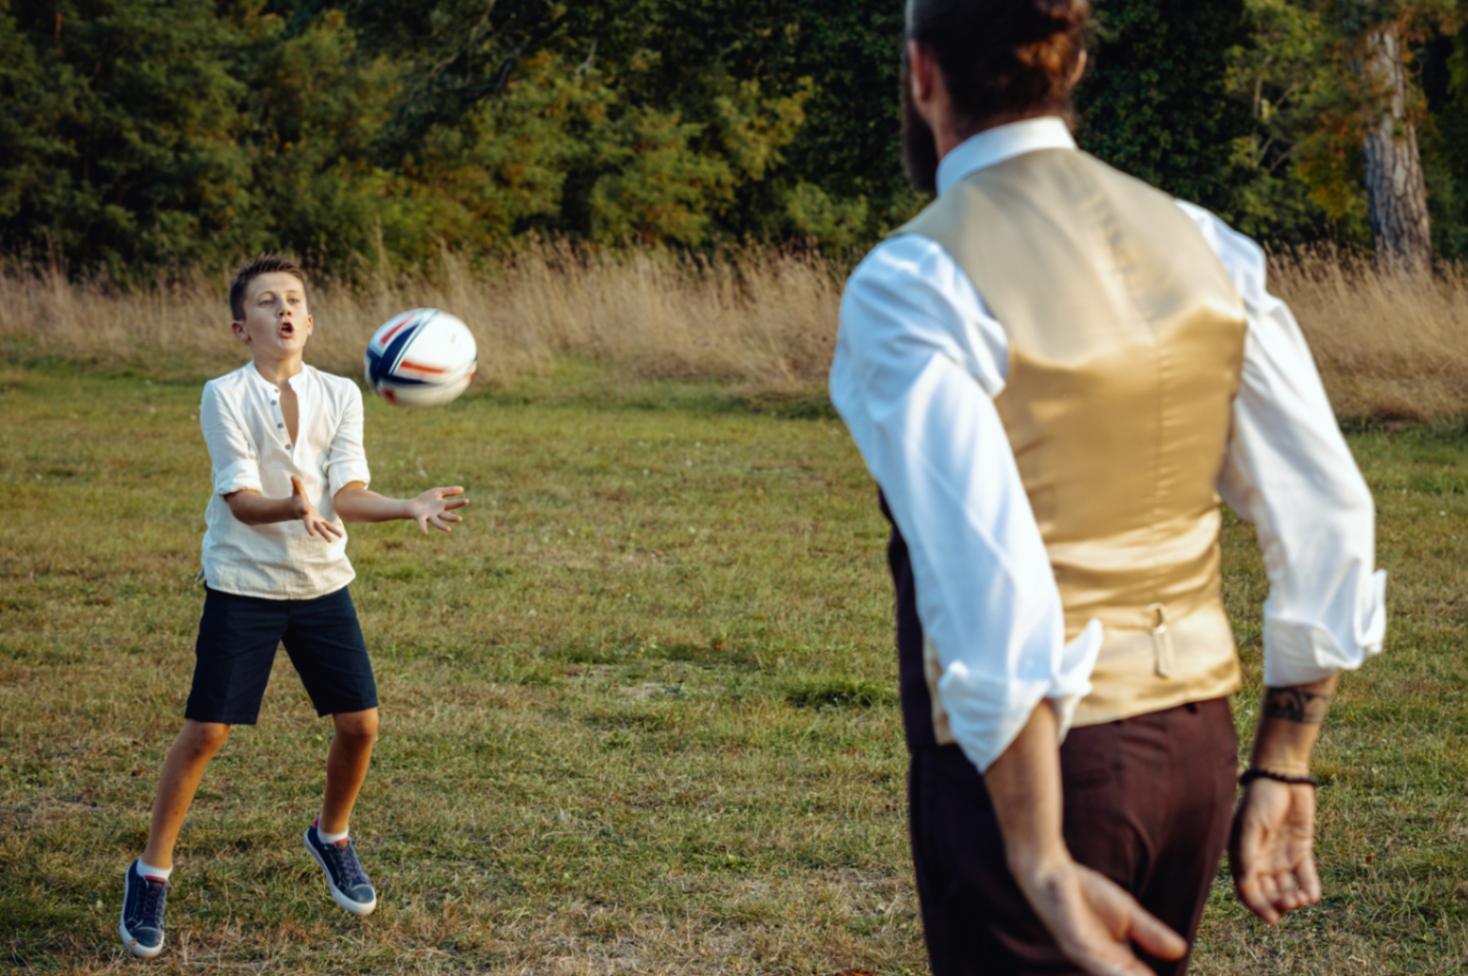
[421, 358]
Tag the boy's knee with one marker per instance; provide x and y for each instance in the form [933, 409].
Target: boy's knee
[360, 727]
[205, 738]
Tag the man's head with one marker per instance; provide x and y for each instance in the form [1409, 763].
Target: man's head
[969, 65]
[267, 300]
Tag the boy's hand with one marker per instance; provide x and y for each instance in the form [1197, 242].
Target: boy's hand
[436, 506]
[316, 526]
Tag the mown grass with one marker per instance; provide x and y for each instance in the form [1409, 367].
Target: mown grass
[638, 714]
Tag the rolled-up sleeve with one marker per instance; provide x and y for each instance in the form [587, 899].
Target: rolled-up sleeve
[1290, 473]
[913, 378]
[231, 452]
[346, 460]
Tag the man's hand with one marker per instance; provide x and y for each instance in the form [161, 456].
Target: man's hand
[1095, 922]
[316, 526]
[1271, 849]
[435, 507]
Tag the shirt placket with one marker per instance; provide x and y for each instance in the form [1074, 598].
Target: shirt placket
[277, 417]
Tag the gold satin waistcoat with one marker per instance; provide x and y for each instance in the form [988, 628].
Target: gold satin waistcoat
[1126, 340]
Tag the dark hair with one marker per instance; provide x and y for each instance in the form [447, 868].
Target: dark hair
[1004, 59]
[262, 264]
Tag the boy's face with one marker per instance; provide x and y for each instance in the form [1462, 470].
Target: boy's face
[277, 322]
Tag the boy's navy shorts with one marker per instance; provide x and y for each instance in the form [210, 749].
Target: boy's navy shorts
[238, 637]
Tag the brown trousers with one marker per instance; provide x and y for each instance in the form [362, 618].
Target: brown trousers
[1147, 803]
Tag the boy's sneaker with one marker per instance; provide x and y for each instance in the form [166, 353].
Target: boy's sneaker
[346, 880]
[142, 913]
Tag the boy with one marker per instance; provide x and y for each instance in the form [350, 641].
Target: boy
[285, 442]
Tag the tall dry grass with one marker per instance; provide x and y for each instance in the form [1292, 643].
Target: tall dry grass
[758, 318]
[1389, 347]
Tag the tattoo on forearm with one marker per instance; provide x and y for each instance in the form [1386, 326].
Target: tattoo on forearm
[1295, 705]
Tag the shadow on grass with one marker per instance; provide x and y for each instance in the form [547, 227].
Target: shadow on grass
[838, 692]
[33, 925]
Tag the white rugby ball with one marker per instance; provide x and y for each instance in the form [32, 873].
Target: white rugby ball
[421, 358]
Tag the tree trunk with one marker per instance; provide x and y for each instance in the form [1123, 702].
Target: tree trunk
[1395, 188]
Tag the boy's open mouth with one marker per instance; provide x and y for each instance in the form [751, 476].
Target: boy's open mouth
[287, 329]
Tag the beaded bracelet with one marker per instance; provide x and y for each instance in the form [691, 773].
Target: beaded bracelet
[1254, 772]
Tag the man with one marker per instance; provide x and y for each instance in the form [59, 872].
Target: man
[1053, 373]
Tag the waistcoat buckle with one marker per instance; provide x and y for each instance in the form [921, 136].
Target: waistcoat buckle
[1164, 659]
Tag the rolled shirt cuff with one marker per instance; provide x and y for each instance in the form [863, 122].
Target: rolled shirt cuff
[1078, 661]
[986, 716]
[338, 476]
[1298, 652]
[243, 475]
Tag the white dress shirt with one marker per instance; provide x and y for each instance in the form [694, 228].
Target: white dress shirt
[250, 448]
[919, 360]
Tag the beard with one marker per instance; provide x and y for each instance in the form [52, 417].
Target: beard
[919, 148]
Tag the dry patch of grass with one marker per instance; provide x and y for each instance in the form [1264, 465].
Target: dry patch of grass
[762, 322]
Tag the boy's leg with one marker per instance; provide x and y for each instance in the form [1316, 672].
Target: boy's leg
[195, 745]
[236, 646]
[145, 888]
[325, 643]
[326, 838]
[232, 657]
[346, 767]
[326, 646]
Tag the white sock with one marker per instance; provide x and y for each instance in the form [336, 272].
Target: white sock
[330, 838]
[149, 871]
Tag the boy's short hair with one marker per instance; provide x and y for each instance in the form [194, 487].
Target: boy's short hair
[248, 272]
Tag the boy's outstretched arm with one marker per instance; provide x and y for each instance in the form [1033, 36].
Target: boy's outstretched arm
[253, 508]
[435, 507]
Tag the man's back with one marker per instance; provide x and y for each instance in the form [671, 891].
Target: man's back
[1125, 343]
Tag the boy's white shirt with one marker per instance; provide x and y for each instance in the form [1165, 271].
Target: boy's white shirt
[250, 448]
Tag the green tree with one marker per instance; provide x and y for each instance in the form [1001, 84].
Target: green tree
[1157, 103]
[136, 144]
[1376, 38]
[311, 107]
[674, 121]
[1445, 143]
[140, 135]
[1300, 164]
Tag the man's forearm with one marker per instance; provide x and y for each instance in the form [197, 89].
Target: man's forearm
[1289, 722]
[1024, 786]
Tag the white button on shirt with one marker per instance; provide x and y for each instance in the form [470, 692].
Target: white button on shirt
[919, 359]
[250, 448]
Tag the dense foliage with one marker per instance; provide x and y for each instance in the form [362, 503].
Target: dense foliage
[139, 136]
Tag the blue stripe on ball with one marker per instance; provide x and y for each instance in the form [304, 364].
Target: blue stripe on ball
[399, 345]
[375, 371]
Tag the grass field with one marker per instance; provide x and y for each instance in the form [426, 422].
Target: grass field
[639, 714]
